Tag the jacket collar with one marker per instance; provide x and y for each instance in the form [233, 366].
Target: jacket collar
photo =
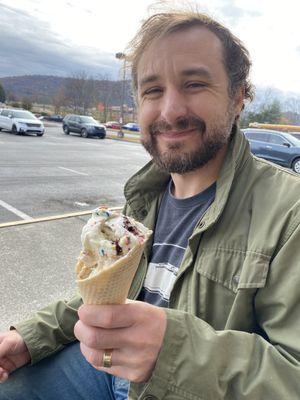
[149, 182]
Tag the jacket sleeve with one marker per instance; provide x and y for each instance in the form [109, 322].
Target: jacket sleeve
[197, 362]
[50, 329]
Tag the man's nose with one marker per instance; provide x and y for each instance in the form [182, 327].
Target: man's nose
[173, 106]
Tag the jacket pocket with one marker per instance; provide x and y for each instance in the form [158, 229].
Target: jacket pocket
[226, 283]
[233, 269]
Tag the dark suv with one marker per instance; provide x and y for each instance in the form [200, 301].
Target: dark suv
[84, 125]
[278, 147]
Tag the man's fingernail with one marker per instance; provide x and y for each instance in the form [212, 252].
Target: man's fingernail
[4, 377]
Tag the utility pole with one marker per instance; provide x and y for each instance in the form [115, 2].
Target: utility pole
[122, 56]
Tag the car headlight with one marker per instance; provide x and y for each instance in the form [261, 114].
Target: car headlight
[22, 126]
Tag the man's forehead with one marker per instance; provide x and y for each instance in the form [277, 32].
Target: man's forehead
[192, 45]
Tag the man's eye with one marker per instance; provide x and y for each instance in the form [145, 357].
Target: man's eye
[196, 85]
[152, 91]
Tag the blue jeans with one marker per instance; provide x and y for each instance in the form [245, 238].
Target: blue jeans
[64, 376]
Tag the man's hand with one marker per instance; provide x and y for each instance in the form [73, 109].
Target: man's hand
[13, 353]
[134, 331]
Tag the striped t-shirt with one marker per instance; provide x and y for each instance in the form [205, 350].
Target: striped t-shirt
[175, 223]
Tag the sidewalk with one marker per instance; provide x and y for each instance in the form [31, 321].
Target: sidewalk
[37, 266]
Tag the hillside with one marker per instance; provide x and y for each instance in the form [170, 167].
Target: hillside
[43, 88]
[39, 88]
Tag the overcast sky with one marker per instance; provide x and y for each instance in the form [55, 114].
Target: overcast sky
[61, 37]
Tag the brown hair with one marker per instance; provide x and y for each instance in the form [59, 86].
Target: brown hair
[236, 57]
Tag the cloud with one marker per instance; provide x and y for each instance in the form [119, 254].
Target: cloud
[233, 13]
[28, 46]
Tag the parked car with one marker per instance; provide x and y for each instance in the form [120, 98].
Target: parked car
[131, 126]
[279, 147]
[54, 118]
[20, 121]
[84, 125]
[113, 125]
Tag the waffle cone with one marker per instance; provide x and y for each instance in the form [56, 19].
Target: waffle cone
[111, 285]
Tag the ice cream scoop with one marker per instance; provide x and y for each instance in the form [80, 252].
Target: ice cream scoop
[112, 245]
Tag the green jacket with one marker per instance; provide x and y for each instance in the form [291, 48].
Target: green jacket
[233, 328]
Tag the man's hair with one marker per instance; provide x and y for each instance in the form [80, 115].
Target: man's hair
[235, 56]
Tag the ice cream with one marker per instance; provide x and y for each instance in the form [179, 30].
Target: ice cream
[112, 247]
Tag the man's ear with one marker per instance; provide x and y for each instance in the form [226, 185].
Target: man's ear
[239, 99]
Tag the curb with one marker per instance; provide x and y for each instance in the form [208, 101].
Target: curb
[51, 218]
[124, 139]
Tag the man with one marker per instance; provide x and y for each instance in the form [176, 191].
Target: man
[216, 304]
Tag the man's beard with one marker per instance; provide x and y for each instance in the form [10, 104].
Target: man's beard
[175, 161]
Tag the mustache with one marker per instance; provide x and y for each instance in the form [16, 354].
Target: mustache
[158, 127]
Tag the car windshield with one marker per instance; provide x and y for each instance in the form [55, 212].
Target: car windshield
[88, 120]
[293, 139]
[23, 114]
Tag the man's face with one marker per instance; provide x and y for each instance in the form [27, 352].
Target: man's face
[185, 112]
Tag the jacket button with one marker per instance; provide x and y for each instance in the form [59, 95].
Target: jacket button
[143, 213]
[150, 397]
[202, 224]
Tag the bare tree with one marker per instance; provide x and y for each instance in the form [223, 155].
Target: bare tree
[81, 91]
[292, 104]
[60, 100]
[104, 94]
[264, 97]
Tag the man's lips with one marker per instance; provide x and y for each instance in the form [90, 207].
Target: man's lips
[178, 134]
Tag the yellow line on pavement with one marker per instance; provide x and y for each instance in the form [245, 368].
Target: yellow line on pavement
[51, 218]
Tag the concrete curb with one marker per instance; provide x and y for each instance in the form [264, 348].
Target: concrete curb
[124, 139]
[51, 218]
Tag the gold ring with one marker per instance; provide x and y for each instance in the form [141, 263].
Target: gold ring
[107, 358]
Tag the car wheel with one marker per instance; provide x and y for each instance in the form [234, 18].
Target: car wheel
[66, 129]
[39, 134]
[84, 133]
[296, 165]
[0, 129]
[14, 130]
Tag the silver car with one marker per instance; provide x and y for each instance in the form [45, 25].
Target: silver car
[20, 121]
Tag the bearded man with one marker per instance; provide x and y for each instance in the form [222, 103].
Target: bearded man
[214, 310]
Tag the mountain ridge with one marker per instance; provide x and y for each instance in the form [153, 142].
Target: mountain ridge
[43, 88]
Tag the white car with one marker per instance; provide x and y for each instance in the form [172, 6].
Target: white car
[20, 121]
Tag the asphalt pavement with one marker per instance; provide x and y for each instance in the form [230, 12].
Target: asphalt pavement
[52, 176]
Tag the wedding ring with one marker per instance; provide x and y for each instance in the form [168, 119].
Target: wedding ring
[107, 358]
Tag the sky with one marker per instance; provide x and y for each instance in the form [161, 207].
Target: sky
[64, 37]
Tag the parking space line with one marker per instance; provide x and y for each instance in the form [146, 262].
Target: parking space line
[15, 211]
[54, 137]
[54, 143]
[75, 172]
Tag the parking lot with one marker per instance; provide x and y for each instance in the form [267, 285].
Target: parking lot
[52, 176]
